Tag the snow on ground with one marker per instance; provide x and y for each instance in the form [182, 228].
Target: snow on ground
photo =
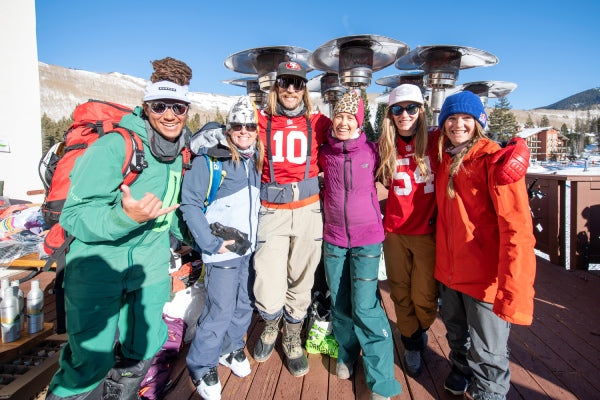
[577, 167]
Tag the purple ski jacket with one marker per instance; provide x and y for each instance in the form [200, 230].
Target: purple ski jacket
[351, 208]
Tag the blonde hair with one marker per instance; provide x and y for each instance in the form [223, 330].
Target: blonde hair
[388, 152]
[271, 107]
[260, 151]
[457, 159]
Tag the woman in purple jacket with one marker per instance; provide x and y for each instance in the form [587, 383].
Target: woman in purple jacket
[353, 234]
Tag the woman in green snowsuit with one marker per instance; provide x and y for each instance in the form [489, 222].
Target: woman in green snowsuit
[116, 279]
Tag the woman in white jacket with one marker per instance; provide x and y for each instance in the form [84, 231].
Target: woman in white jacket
[221, 328]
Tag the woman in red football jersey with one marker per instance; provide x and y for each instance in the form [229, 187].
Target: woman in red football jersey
[408, 163]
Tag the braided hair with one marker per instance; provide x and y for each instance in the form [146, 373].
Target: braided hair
[170, 69]
[457, 159]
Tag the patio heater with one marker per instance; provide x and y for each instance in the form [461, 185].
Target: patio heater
[355, 58]
[328, 84]
[441, 64]
[253, 90]
[263, 61]
[486, 89]
[415, 77]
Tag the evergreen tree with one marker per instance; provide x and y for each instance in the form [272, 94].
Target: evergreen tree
[577, 136]
[194, 123]
[529, 123]
[219, 118]
[367, 127]
[381, 109]
[564, 130]
[502, 121]
[588, 123]
[48, 128]
[578, 127]
[52, 131]
[544, 122]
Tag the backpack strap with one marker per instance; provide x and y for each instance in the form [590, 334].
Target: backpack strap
[135, 158]
[270, 151]
[215, 174]
[58, 257]
[308, 148]
[186, 152]
[186, 161]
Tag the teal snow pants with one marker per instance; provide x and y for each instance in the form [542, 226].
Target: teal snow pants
[99, 302]
[359, 321]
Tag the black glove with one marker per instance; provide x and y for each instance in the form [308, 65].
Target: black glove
[241, 245]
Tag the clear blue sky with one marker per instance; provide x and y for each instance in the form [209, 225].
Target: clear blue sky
[550, 49]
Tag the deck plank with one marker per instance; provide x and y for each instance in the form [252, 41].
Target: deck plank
[566, 296]
[557, 357]
[339, 389]
[316, 382]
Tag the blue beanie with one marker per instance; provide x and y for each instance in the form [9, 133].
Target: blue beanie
[463, 103]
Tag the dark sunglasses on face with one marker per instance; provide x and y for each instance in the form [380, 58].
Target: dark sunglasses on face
[411, 109]
[159, 107]
[249, 127]
[285, 81]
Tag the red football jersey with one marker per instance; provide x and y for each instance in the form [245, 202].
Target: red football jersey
[410, 207]
[289, 143]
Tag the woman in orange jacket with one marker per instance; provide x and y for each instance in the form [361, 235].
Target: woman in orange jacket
[485, 261]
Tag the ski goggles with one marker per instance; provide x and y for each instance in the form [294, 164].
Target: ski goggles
[284, 82]
[159, 107]
[249, 127]
[410, 109]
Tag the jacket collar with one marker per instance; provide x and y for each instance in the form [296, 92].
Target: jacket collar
[351, 144]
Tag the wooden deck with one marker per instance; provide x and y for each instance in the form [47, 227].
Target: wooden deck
[558, 357]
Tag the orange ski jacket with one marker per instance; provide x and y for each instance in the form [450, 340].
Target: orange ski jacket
[484, 236]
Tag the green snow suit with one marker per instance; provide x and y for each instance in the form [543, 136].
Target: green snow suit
[116, 278]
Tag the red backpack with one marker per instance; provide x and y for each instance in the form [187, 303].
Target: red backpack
[91, 120]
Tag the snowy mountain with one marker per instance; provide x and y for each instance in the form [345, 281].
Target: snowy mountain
[588, 99]
[62, 89]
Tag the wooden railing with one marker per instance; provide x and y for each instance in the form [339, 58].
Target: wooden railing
[566, 218]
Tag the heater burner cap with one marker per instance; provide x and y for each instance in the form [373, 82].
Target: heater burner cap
[265, 60]
[252, 88]
[411, 77]
[445, 58]
[488, 88]
[441, 80]
[328, 84]
[356, 57]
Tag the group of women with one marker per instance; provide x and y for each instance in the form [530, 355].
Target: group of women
[451, 234]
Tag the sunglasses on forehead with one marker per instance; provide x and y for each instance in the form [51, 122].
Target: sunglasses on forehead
[160, 107]
[284, 82]
[238, 127]
[411, 109]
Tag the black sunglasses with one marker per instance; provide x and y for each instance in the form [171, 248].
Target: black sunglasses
[159, 107]
[285, 81]
[411, 109]
[249, 127]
